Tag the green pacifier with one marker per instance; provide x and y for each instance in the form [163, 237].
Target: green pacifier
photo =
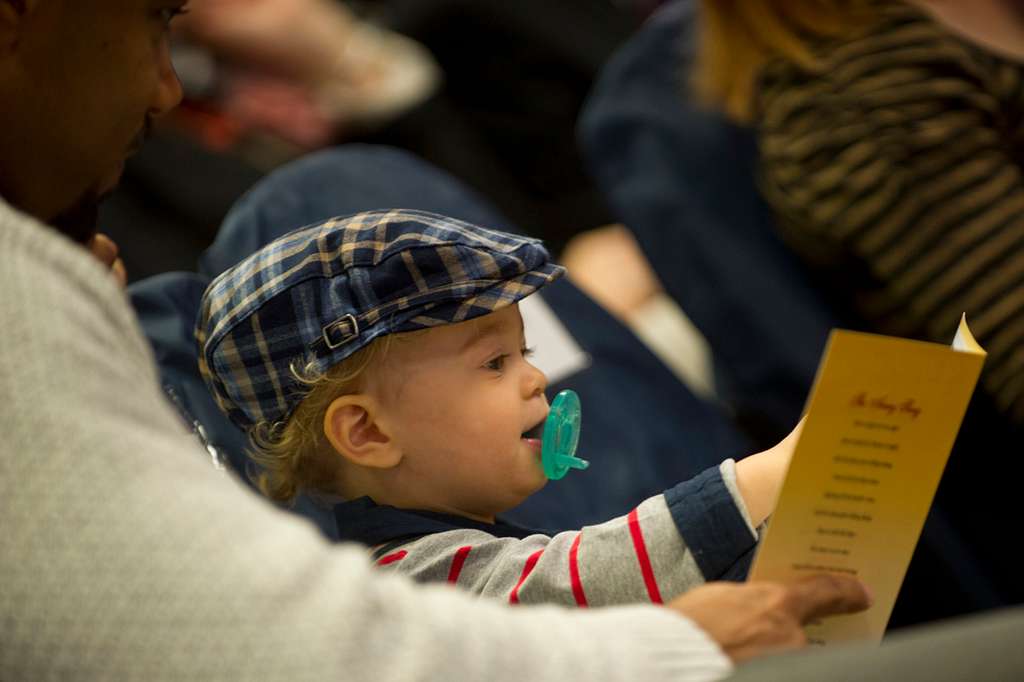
[561, 436]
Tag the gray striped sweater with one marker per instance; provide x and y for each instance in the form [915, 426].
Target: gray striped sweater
[696, 531]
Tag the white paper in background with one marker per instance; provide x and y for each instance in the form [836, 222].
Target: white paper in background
[556, 352]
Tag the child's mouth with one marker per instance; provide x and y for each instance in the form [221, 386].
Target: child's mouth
[535, 432]
[532, 437]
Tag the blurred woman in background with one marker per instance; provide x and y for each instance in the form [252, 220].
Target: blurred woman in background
[891, 145]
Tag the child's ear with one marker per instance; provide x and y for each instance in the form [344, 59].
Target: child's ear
[352, 427]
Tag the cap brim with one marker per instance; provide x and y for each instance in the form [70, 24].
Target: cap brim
[501, 295]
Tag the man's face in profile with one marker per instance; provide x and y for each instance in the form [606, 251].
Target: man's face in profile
[81, 81]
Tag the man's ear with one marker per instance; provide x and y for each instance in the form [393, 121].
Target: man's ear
[13, 15]
[352, 426]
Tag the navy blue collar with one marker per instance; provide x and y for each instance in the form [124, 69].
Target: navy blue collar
[369, 523]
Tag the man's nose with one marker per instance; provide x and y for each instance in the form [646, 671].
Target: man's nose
[168, 93]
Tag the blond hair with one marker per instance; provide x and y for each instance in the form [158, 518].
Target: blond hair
[293, 454]
[738, 37]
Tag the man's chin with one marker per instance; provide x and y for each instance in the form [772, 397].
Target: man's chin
[110, 183]
[79, 222]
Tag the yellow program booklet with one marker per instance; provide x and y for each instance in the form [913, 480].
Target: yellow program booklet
[880, 424]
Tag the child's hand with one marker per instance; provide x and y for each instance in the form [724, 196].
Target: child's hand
[759, 477]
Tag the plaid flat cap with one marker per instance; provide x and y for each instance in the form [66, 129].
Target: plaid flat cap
[322, 292]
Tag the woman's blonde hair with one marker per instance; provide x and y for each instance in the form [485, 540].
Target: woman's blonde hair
[738, 37]
[293, 455]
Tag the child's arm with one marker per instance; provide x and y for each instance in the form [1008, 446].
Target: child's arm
[759, 477]
[670, 543]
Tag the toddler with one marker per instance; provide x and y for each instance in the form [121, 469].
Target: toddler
[379, 361]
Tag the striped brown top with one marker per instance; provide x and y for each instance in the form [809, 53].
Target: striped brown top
[897, 172]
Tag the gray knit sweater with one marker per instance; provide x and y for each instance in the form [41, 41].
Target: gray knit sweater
[123, 555]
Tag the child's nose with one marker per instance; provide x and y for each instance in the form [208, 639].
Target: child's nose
[535, 381]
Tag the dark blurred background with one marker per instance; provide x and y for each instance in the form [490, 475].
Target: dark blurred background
[501, 116]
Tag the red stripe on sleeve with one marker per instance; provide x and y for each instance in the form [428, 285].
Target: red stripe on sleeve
[574, 573]
[641, 556]
[391, 558]
[457, 561]
[513, 597]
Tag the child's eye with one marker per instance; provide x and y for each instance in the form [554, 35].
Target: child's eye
[527, 351]
[496, 364]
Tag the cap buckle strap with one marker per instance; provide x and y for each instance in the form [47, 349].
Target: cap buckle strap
[347, 327]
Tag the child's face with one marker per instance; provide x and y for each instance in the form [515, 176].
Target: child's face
[457, 400]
